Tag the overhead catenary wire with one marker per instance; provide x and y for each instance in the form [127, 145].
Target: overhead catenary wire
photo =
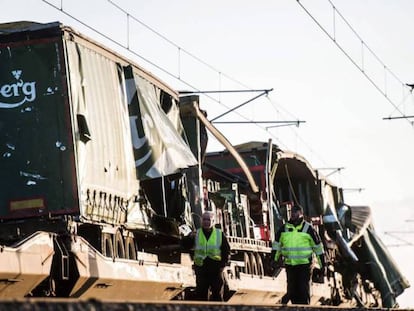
[158, 67]
[181, 51]
[353, 61]
[119, 44]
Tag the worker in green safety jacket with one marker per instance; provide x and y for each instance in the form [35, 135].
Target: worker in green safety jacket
[294, 243]
[211, 255]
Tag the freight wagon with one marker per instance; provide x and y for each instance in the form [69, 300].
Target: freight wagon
[83, 133]
[104, 175]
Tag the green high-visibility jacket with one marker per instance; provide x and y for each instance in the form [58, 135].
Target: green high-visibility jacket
[207, 248]
[296, 244]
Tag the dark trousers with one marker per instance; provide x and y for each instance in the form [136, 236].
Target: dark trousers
[209, 276]
[298, 278]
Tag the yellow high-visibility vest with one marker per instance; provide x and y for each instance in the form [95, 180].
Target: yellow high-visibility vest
[207, 248]
[297, 245]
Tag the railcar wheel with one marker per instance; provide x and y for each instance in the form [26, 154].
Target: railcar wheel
[260, 268]
[253, 264]
[130, 249]
[365, 294]
[107, 247]
[247, 265]
[119, 247]
[358, 292]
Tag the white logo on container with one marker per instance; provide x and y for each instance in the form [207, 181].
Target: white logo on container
[16, 94]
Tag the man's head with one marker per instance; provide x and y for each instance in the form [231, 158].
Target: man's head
[207, 220]
[296, 213]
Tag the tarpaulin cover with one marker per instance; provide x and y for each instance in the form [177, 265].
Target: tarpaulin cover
[159, 148]
[373, 253]
[35, 131]
[105, 161]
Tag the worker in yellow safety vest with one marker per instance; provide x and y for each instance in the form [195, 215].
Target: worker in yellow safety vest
[294, 243]
[211, 255]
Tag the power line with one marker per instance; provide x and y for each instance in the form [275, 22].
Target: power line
[259, 122]
[158, 34]
[264, 92]
[353, 61]
[126, 47]
[397, 236]
[178, 76]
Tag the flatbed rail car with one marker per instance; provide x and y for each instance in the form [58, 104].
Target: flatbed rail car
[103, 172]
[83, 132]
[361, 272]
[98, 178]
[242, 197]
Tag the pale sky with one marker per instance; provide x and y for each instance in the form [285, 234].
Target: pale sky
[275, 44]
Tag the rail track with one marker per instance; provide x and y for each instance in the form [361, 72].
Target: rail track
[98, 305]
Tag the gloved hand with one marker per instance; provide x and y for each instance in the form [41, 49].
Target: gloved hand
[275, 265]
[318, 275]
[224, 264]
[275, 268]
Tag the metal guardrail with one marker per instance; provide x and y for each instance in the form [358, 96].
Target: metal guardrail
[248, 244]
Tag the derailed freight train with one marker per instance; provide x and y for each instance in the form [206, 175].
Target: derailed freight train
[75, 219]
[104, 172]
[360, 271]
